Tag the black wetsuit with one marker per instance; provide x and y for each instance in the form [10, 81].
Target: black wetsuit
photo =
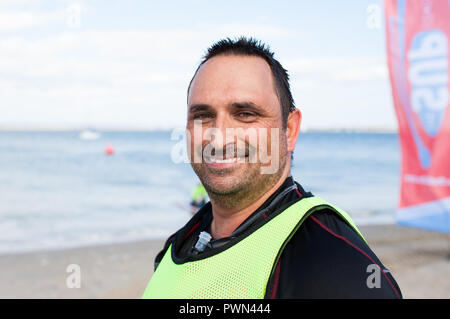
[325, 258]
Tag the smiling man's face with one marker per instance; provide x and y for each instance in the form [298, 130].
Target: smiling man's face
[235, 92]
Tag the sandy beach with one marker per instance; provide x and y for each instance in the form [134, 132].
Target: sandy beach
[418, 260]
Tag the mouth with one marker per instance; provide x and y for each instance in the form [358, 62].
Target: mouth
[220, 162]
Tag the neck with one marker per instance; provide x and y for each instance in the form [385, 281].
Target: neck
[226, 219]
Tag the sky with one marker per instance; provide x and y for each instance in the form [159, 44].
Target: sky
[126, 64]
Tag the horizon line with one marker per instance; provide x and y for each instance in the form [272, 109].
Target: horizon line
[80, 128]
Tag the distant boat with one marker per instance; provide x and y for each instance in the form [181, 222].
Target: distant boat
[89, 135]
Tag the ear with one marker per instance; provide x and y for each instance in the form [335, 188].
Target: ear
[293, 128]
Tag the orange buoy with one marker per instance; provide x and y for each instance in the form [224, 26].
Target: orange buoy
[109, 150]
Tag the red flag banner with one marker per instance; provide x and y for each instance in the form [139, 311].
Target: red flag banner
[418, 35]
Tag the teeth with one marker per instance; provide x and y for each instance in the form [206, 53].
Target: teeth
[224, 161]
[228, 160]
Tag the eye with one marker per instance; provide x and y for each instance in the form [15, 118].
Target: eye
[245, 114]
[201, 116]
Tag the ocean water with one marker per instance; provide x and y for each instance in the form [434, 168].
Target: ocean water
[60, 191]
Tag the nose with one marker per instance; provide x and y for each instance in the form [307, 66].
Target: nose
[220, 142]
[222, 122]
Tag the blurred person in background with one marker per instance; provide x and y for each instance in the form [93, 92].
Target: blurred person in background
[199, 196]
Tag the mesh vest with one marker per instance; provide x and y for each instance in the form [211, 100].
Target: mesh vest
[242, 270]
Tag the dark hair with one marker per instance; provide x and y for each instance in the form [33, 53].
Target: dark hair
[252, 47]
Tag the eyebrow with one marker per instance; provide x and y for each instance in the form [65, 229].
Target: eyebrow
[248, 106]
[199, 107]
[237, 105]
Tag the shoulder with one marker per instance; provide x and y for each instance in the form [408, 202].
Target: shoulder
[185, 237]
[163, 251]
[326, 258]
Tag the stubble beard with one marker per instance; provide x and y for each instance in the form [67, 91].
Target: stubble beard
[237, 188]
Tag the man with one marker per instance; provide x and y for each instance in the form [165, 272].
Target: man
[261, 235]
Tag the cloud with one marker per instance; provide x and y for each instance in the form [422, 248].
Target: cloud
[114, 58]
[134, 77]
[365, 72]
[339, 69]
[110, 78]
[19, 20]
[15, 4]
[257, 31]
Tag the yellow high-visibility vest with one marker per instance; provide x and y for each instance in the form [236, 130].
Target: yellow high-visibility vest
[242, 270]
